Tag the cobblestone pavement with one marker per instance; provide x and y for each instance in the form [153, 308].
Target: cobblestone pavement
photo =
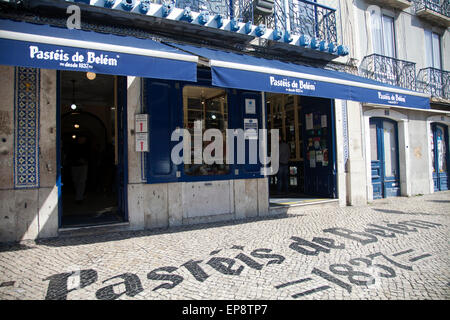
[395, 248]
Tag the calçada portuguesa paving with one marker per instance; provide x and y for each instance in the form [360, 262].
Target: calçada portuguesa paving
[396, 248]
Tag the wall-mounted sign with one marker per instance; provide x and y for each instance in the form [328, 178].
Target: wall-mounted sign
[250, 106]
[141, 142]
[141, 123]
[250, 128]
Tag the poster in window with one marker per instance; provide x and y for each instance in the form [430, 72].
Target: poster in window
[323, 121]
[319, 156]
[312, 159]
[309, 121]
[325, 158]
[250, 106]
[250, 128]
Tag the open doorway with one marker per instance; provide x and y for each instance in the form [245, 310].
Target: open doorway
[307, 170]
[89, 150]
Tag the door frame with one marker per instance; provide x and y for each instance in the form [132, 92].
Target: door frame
[443, 120]
[124, 155]
[379, 124]
[403, 143]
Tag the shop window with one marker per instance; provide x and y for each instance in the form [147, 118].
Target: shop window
[205, 108]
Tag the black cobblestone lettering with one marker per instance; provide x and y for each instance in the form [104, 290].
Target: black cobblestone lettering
[57, 287]
[329, 243]
[173, 278]
[132, 284]
[379, 232]
[224, 265]
[386, 228]
[197, 271]
[300, 244]
[364, 238]
[249, 261]
[276, 258]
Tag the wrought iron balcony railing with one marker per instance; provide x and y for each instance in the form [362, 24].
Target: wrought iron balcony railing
[313, 19]
[222, 7]
[434, 81]
[299, 17]
[439, 6]
[389, 70]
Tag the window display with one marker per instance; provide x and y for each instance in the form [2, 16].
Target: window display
[205, 108]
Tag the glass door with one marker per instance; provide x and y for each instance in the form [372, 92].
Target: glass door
[439, 156]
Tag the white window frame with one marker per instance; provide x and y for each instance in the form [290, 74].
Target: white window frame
[430, 51]
[382, 12]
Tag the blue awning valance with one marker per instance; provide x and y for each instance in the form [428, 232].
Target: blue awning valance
[47, 47]
[232, 70]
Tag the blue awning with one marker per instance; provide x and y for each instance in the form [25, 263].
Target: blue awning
[240, 71]
[43, 46]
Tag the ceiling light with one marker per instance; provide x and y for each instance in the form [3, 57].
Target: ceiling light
[74, 104]
[91, 75]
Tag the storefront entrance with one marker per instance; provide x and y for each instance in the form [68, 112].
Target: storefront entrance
[439, 156]
[306, 125]
[384, 158]
[90, 150]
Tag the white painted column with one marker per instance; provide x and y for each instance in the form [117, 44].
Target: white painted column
[340, 160]
[356, 166]
[404, 158]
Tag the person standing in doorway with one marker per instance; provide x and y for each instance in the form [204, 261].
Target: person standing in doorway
[283, 171]
[79, 164]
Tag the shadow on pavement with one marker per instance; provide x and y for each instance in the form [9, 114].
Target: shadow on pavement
[107, 236]
[408, 213]
[14, 246]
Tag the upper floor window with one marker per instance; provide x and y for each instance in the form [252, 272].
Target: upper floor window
[382, 31]
[432, 49]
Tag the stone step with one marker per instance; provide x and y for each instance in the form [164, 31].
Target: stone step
[93, 230]
[301, 207]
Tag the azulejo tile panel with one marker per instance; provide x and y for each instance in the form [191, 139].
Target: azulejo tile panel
[26, 127]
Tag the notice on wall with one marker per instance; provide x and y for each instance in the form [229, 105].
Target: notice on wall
[250, 106]
[250, 128]
[141, 142]
[309, 121]
[141, 123]
[323, 121]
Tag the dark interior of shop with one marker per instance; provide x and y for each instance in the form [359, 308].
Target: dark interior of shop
[88, 149]
[285, 113]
